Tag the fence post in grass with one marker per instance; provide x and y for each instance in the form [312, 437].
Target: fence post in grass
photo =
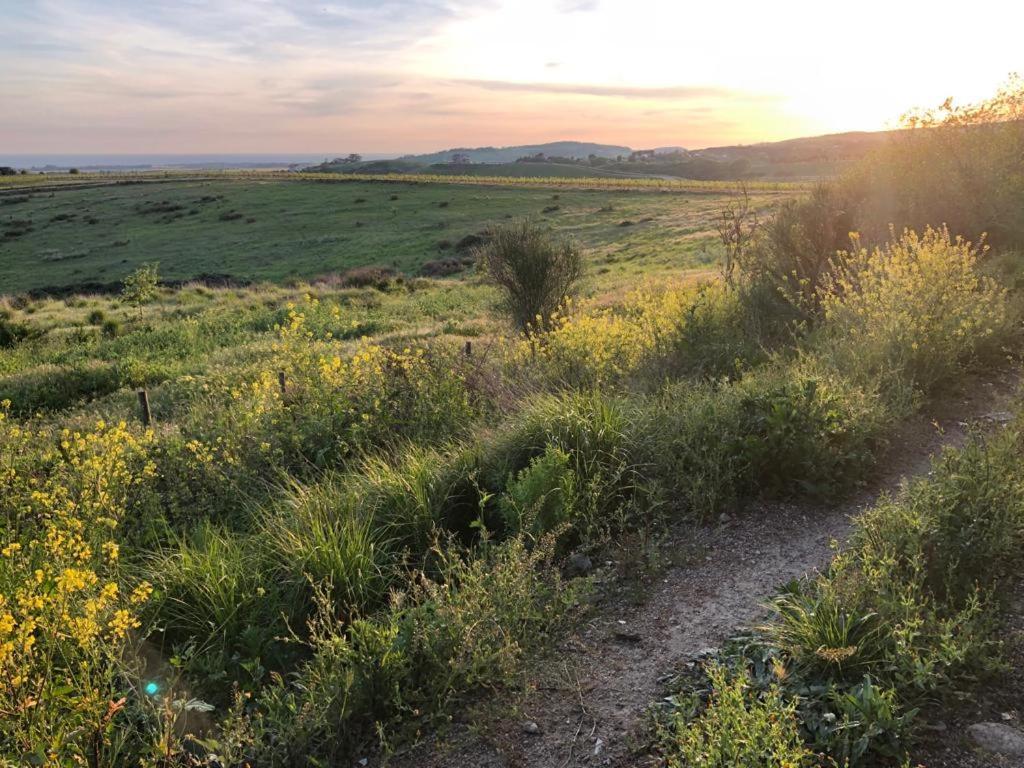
[147, 415]
[469, 348]
[282, 382]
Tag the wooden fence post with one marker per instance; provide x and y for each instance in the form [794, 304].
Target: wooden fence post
[147, 415]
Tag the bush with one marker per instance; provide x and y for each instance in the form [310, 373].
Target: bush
[12, 333]
[96, 317]
[907, 315]
[534, 273]
[796, 250]
[782, 431]
[140, 286]
[327, 535]
[583, 472]
[737, 729]
[654, 336]
[111, 328]
[956, 166]
[67, 608]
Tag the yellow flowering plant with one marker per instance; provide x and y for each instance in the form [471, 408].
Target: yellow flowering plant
[907, 314]
[66, 613]
[341, 399]
[657, 331]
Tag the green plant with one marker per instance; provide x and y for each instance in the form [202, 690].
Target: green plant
[220, 608]
[327, 535]
[140, 286]
[375, 679]
[823, 638]
[868, 725]
[535, 273]
[542, 497]
[738, 728]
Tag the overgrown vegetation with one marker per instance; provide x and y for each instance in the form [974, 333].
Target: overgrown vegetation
[907, 613]
[343, 523]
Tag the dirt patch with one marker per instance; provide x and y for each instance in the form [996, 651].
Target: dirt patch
[588, 698]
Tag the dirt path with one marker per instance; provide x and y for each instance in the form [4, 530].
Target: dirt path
[589, 697]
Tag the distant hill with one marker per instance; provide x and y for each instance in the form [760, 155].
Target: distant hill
[833, 147]
[807, 158]
[576, 149]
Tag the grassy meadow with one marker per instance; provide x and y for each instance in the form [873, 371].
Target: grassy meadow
[340, 527]
[279, 230]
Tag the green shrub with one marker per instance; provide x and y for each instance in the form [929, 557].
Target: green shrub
[534, 273]
[12, 332]
[716, 335]
[824, 638]
[795, 252]
[140, 286]
[739, 728]
[96, 317]
[594, 440]
[866, 723]
[542, 497]
[783, 430]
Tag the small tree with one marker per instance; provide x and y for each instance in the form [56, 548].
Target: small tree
[736, 224]
[140, 286]
[534, 271]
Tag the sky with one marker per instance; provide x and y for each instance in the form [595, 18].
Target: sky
[402, 76]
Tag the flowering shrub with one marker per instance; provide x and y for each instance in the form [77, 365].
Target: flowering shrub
[909, 313]
[65, 613]
[657, 332]
[340, 401]
[341, 405]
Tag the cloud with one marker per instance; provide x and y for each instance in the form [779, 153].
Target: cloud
[578, 6]
[681, 92]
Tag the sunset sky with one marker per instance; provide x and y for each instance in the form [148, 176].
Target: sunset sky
[416, 75]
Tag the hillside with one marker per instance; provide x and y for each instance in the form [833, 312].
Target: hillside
[576, 149]
[806, 158]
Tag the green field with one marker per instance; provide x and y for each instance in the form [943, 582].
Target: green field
[279, 230]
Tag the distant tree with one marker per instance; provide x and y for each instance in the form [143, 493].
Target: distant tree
[352, 159]
[73, 170]
[140, 286]
[535, 272]
[6, 170]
